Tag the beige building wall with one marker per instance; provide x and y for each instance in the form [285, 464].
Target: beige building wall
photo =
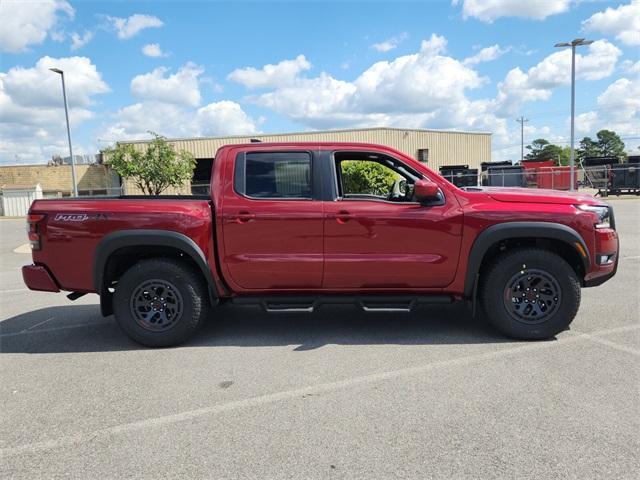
[57, 178]
[445, 148]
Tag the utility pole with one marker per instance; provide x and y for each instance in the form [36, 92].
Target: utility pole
[522, 121]
[573, 44]
[66, 114]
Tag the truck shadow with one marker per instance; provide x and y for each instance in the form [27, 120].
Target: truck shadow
[80, 328]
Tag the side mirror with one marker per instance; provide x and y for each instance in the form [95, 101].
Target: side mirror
[426, 190]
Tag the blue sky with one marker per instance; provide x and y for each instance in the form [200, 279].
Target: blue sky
[219, 68]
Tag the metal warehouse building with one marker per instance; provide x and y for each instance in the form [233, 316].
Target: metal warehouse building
[433, 147]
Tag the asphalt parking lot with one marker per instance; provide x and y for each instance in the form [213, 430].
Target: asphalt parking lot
[334, 394]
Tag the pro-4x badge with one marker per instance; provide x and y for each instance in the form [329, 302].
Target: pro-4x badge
[79, 217]
[71, 217]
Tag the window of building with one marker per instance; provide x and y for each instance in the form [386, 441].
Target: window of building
[423, 155]
[274, 175]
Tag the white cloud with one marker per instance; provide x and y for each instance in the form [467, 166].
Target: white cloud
[131, 26]
[39, 87]
[414, 90]
[486, 55]
[33, 122]
[153, 50]
[623, 22]
[436, 45]
[554, 71]
[282, 73]
[490, 10]
[631, 67]
[618, 109]
[314, 101]
[181, 88]
[418, 82]
[430, 89]
[390, 43]
[219, 118]
[224, 118]
[586, 123]
[28, 23]
[78, 41]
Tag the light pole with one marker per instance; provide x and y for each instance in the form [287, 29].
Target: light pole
[522, 121]
[573, 44]
[66, 114]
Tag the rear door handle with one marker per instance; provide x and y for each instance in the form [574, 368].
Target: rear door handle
[243, 217]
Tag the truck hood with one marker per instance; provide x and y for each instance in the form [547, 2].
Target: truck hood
[537, 195]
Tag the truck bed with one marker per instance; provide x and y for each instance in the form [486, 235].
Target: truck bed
[72, 229]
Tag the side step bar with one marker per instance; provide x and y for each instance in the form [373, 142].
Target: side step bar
[305, 304]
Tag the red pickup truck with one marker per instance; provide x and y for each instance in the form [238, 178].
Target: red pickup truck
[290, 226]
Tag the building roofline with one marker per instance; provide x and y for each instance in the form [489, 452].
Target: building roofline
[311, 132]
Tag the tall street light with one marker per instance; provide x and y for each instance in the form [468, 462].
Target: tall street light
[66, 113]
[573, 44]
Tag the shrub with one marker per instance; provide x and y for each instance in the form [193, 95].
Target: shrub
[366, 177]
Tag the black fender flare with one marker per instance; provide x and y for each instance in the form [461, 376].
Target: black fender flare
[136, 238]
[514, 230]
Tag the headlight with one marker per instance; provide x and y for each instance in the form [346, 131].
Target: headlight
[601, 212]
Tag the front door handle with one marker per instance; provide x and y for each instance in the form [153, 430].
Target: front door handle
[343, 216]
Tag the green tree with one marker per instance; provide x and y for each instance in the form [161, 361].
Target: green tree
[536, 148]
[366, 177]
[541, 149]
[610, 144]
[155, 168]
[564, 156]
[587, 148]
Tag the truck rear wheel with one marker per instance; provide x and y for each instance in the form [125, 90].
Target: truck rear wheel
[160, 302]
[530, 294]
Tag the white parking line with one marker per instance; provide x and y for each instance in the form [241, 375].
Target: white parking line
[17, 290]
[609, 343]
[55, 329]
[38, 324]
[295, 393]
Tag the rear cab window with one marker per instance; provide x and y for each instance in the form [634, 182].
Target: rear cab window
[274, 175]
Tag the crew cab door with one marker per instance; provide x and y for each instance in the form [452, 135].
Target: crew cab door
[272, 221]
[377, 236]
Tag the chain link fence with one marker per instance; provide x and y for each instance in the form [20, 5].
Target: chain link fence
[602, 180]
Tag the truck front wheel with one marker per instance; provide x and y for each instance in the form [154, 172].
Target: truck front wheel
[160, 302]
[530, 293]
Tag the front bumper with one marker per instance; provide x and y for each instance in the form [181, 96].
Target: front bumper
[36, 277]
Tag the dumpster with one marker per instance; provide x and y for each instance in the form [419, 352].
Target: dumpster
[557, 178]
[597, 172]
[504, 176]
[460, 175]
[625, 178]
[531, 170]
[484, 166]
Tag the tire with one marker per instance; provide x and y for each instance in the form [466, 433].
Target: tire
[529, 294]
[160, 302]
